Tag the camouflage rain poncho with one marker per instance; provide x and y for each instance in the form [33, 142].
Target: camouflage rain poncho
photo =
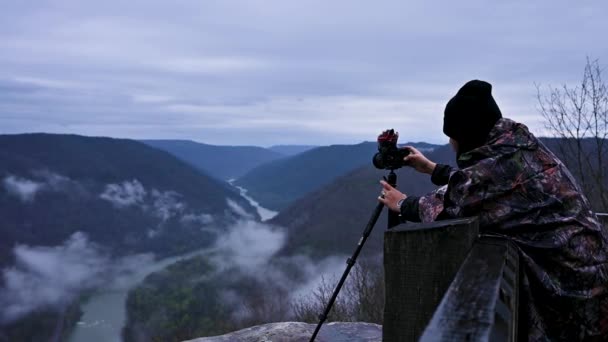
[521, 191]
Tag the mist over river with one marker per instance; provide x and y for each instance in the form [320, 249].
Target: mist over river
[104, 313]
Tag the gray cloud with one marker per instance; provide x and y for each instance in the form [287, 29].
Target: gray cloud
[249, 245]
[26, 188]
[22, 188]
[126, 194]
[279, 72]
[163, 205]
[167, 204]
[249, 248]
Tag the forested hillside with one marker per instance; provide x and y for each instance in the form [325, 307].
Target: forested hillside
[195, 298]
[71, 207]
[291, 150]
[330, 220]
[122, 193]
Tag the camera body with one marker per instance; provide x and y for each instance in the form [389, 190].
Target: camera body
[389, 156]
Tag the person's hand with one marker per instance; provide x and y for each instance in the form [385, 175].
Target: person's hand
[391, 196]
[418, 161]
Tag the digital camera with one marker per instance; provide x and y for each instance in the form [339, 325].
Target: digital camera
[389, 156]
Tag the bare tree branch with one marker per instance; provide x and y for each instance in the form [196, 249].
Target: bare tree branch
[578, 116]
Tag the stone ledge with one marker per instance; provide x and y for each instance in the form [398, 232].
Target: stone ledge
[297, 331]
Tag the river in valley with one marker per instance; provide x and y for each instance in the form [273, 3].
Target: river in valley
[104, 313]
[265, 214]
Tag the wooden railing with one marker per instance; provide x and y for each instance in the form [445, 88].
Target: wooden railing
[445, 273]
[420, 262]
[482, 303]
[603, 218]
[446, 282]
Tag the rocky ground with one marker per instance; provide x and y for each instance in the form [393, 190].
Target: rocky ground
[296, 332]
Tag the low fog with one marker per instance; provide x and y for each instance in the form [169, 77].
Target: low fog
[50, 277]
[249, 248]
[162, 204]
[25, 188]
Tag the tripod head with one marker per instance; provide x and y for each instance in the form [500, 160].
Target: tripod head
[389, 156]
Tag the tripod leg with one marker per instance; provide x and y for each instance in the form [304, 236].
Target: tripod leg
[350, 262]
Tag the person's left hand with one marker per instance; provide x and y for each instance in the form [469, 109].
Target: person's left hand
[391, 196]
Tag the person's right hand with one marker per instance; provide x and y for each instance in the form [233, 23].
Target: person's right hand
[418, 161]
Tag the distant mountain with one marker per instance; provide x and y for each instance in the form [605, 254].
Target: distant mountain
[123, 194]
[279, 183]
[221, 162]
[290, 150]
[423, 146]
[330, 220]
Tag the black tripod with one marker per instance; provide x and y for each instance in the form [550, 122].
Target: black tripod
[393, 220]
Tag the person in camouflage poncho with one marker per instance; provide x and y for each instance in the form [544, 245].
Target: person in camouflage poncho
[520, 190]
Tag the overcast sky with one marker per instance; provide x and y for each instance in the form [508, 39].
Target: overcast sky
[281, 72]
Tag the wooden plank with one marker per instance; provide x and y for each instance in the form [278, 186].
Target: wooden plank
[603, 217]
[481, 303]
[420, 262]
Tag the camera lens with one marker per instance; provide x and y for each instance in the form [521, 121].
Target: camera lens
[378, 161]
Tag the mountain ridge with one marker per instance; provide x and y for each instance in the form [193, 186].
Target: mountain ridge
[290, 150]
[221, 162]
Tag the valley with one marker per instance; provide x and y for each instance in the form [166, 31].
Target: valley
[104, 313]
[146, 245]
